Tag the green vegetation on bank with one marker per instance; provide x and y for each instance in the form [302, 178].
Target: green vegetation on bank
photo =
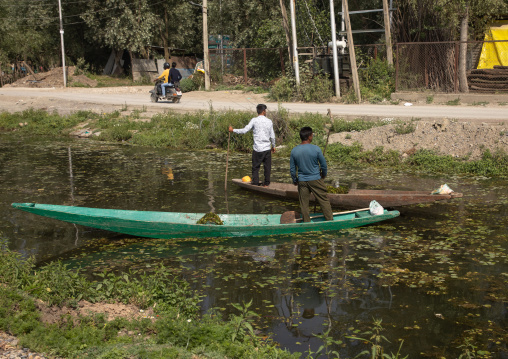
[208, 129]
[175, 330]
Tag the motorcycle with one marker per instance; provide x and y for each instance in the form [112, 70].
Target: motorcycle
[173, 93]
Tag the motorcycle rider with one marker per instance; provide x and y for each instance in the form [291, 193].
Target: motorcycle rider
[174, 75]
[165, 75]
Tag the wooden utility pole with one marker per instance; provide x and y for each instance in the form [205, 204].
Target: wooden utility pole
[205, 45]
[388, 32]
[352, 56]
[285, 25]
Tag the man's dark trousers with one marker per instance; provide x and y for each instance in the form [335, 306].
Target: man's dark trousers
[318, 188]
[259, 158]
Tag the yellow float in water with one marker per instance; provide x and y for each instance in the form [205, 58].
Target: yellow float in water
[246, 179]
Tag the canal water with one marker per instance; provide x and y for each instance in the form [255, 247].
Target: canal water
[434, 279]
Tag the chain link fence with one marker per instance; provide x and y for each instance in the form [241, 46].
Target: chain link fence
[255, 66]
[435, 66]
[262, 66]
[418, 66]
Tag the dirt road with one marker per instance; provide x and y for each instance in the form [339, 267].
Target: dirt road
[64, 101]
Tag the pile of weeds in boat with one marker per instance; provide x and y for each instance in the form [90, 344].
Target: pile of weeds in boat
[176, 328]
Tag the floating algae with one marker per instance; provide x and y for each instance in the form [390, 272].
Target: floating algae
[337, 190]
[210, 218]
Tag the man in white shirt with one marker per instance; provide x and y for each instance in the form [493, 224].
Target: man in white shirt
[264, 144]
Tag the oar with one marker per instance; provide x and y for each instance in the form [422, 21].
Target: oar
[227, 161]
[326, 145]
[293, 216]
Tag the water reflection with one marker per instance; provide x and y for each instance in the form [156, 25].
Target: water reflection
[447, 258]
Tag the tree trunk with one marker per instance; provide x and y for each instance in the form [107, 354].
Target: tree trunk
[463, 87]
[165, 36]
[117, 67]
[285, 25]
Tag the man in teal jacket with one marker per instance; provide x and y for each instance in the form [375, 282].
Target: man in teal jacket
[308, 169]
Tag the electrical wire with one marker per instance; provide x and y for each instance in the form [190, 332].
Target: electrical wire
[313, 23]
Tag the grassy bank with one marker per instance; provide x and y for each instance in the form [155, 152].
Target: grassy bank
[176, 329]
[201, 130]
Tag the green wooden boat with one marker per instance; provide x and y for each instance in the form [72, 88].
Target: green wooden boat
[183, 225]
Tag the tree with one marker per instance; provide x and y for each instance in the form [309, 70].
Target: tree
[121, 25]
[25, 37]
[443, 20]
[179, 25]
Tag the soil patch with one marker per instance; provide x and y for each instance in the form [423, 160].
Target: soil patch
[54, 78]
[457, 139]
[54, 314]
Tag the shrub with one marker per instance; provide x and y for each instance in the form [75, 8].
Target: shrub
[316, 89]
[283, 90]
[198, 79]
[341, 125]
[377, 80]
[187, 85]
[404, 128]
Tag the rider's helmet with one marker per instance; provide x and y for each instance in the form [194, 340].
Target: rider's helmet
[166, 65]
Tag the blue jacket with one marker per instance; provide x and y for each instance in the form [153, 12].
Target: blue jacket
[309, 161]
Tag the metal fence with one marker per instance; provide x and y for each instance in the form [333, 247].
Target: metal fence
[418, 66]
[435, 66]
[257, 65]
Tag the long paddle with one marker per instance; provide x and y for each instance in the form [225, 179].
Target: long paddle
[326, 144]
[227, 161]
[293, 216]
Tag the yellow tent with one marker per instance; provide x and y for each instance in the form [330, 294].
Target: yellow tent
[495, 53]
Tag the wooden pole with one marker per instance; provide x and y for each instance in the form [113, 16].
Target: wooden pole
[352, 56]
[227, 162]
[397, 67]
[245, 65]
[285, 25]
[282, 67]
[388, 33]
[455, 69]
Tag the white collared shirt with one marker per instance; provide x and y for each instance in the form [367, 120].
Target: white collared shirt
[264, 137]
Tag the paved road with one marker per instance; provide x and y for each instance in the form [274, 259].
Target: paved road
[139, 97]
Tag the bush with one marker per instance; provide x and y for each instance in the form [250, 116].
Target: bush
[405, 128]
[198, 79]
[283, 90]
[318, 88]
[341, 125]
[187, 85]
[377, 80]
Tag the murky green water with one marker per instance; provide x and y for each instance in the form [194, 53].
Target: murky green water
[437, 275]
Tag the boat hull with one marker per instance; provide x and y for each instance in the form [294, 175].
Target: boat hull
[183, 225]
[355, 198]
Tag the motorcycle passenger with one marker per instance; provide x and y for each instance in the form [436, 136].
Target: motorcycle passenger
[165, 75]
[174, 75]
